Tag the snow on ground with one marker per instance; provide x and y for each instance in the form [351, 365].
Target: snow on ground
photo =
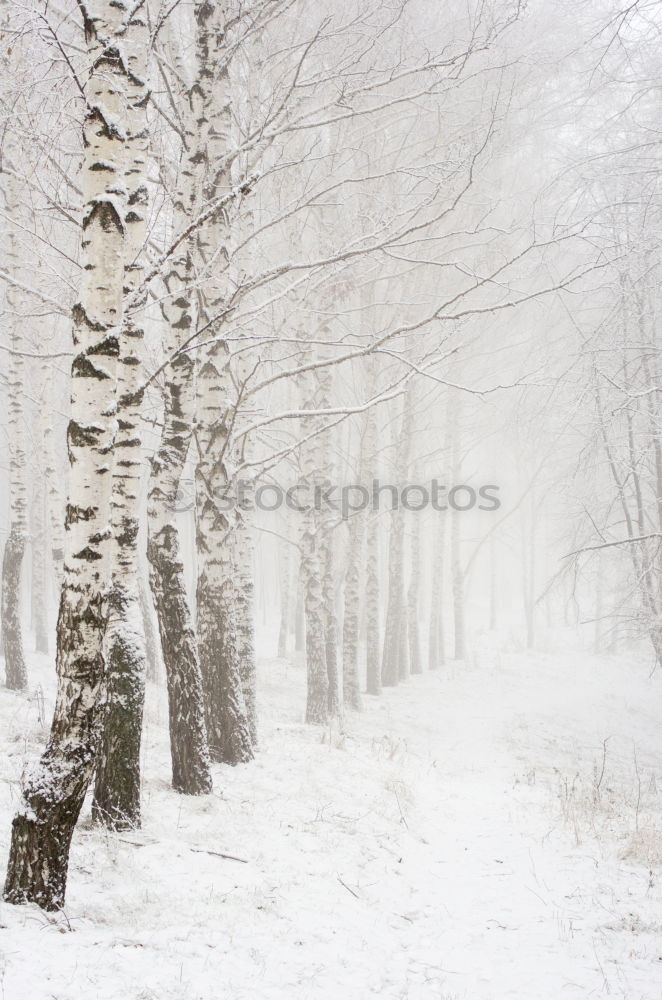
[491, 831]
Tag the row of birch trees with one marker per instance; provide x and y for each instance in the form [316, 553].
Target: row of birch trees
[284, 239]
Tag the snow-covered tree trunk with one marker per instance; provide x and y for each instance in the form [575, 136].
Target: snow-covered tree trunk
[315, 565]
[54, 790]
[188, 735]
[395, 622]
[395, 653]
[331, 627]
[244, 587]
[372, 643]
[313, 559]
[352, 603]
[12, 563]
[117, 787]
[228, 724]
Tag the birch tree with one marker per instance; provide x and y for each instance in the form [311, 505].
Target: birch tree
[12, 562]
[117, 788]
[54, 791]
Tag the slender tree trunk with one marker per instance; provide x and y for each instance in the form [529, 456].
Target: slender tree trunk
[244, 558]
[12, 562]
[395, 658]
[152, 645]
[226, 713]
[457, 569]
[394, 608]
[372, 639]
[285, 602]
[191, 774]
[40, 589]
[54, 500]
[219, 615]
[415, 664]
[352, 602]
[314, 567]
[331, 631]
[54, 792]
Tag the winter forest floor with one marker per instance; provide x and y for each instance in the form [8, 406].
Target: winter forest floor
[472, 835]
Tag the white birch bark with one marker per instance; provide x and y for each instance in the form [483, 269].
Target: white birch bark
[229, 727]
[117, 786]
[188, 735]
[55, 789]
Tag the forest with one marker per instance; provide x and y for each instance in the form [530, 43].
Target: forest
[331, 486]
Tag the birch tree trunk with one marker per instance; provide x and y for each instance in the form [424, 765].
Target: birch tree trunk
[54, 791]
[152, 645]
[189, 751]
[12, 563]
[395, 658]
[331, 628]
[372, 643]
[219, 619]
[315, 564]
[285, 602]
[117, 787]
[244, 586]
[40, 602]
[54, 499]
[350, 655]
[457, 569]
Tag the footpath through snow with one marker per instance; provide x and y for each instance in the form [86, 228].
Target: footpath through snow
[492, 831]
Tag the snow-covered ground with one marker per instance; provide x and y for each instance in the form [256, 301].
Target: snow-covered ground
[488, 832]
